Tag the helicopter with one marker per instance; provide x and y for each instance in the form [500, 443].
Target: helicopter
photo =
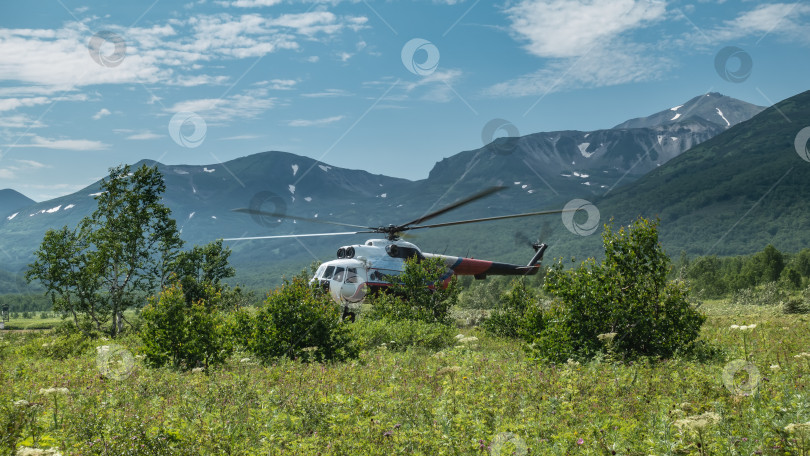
[360, 270]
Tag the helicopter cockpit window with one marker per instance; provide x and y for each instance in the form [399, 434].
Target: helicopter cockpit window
[339, 273]
[329, 271]
[319, 272]
[351, 275]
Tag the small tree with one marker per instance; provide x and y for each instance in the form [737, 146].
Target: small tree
[200, 270]
[518, 315]
[297, 321]
[183, 335]
[422, 292]
[626, 295]
[116, 256]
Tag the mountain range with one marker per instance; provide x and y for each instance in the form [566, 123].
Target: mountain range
[622, 170]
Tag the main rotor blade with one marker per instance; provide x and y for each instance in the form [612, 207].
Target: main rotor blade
[296, 235]
[455, 205]
[295, 217]
[487, 219]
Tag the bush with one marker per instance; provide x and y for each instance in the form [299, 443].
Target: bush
[297, 321]
[518, 314]
[182, 335]
[769, 294]
[421, 294]
[401, 334]
[626, 299]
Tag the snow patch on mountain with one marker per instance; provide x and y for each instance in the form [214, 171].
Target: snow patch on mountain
[325, 168]
[676, 116]
[728, 124]
[583, 150]
[295, 170]
[12, 216]
[291, 187]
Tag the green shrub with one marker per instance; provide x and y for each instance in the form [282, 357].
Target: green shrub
[627, 295]
[517, 315]
[181, 335]
[297, 321]
[770, 294]
[419, 294]
[402, 334]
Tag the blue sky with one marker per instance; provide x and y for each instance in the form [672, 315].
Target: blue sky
[387, 86]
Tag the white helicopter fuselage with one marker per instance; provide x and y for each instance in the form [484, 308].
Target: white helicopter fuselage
[361, 270]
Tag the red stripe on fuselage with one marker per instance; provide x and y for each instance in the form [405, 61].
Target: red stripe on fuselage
[470, 266]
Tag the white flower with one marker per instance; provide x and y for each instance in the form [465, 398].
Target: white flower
[775, 367]
[606, 337]
[21, 403]
[446, 370]
[571, 362]
[50, 391]
[802, 355]
[798, 427]
[698, 422]
[735, 326]
[197, 369]
[459, 336]
[244, 360]
[467, 340]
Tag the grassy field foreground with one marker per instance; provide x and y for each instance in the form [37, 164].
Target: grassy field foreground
[482, 397]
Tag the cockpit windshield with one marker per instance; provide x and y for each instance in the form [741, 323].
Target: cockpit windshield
[339, 272]
[329, 271]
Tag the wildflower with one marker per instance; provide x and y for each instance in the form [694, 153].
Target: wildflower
[467, 340]
[244, 360]
[802, 355]
[743, 327]
[798, 427]
[309, 349]
[775, 367]
[606, 337]
[21, 403]
[459, 336]
[580, 441]
[197, 369]
[572, 363]
[51, 391]
[698, 422]
[446, 370]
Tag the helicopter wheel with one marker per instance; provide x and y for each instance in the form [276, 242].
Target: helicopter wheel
[348, 316]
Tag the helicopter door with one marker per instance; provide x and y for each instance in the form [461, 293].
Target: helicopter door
[352, 289]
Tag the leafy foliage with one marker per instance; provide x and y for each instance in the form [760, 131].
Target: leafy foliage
[183, 335]
[114, 257]
[402, 334]
[627, 294]
[201, 269]
[297, 321]
[519, 314]
[420, 293]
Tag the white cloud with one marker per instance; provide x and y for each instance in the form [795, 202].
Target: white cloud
[20, 121]
[6, 174]
[31, 163]
[102, 113]
[143, 136]
[314, 123]
[585, 43]
[564, 28]
[784, 20]
[328, 93]
[239, 137]
[252, 3]
[10, 104]
[247, 105]
[61, 144]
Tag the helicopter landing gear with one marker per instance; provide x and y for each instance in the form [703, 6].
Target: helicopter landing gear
[347, 315]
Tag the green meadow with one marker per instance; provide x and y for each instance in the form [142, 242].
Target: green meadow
[746, 394]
